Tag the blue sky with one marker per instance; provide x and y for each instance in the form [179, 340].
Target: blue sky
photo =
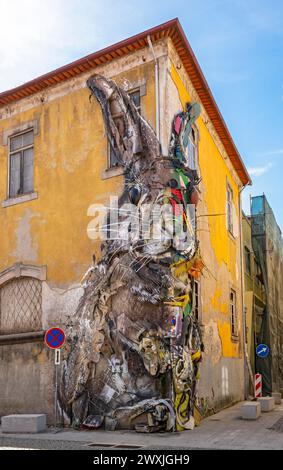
[238, 43]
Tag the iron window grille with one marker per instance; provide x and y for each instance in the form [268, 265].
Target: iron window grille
[21, 306]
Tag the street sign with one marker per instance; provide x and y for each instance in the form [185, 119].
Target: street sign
[262, 350]
[54, 338]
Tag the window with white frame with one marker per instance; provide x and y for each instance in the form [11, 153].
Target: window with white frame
[120, 124]
[21, 164]
[192, 154]
[229, 209]
[233, 314]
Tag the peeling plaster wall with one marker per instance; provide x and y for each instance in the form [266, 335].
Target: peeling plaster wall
[27, 370]
[26, 246]
[26, 379]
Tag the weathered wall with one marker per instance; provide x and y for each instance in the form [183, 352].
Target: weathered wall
[27, 369]
[26, 379]
[70, 154]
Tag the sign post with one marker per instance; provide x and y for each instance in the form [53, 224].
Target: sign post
[258, 386]
[55, 338]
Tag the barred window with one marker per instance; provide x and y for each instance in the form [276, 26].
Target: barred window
[20, 306]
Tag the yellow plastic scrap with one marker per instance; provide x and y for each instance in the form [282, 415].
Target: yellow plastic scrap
[196, 356]
[197, 416]
[193, 267]
[180, 301]
[180, 269]
[182, 403]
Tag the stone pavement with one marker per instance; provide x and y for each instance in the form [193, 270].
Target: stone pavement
[224, 430]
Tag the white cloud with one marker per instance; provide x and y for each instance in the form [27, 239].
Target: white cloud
[259, 170]
[29, 39]
[37, 36]
[272, 153]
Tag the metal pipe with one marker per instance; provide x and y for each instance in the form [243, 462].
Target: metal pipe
[28, 337]
[246, 356]
[156, 70]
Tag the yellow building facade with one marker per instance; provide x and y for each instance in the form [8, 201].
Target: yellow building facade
[44, 242]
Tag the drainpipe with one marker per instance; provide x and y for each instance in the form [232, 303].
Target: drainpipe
[157, 119]
[246, 357]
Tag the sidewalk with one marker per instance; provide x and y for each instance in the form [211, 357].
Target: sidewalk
[224, 430]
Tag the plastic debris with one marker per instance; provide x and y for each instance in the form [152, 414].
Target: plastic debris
[135, 335]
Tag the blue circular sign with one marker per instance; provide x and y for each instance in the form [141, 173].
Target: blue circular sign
[54, 338]
[262, 350]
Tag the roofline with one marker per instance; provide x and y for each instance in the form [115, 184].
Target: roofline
[172, 29]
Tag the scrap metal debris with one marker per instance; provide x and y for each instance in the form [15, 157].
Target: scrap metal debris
[134, 345]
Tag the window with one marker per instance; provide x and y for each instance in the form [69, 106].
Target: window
[21, 164]
[258, 274]
[20, 306]
[247, 260]
[196, 299]
[136, 98]
[233, 314]
[192, 151]
[230, 209]
[120, 124]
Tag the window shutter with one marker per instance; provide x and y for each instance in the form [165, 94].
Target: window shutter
[235, 222]
[15, 175]
[227, 212]
[28, 171]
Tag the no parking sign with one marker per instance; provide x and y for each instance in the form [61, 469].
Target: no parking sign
[54, 338]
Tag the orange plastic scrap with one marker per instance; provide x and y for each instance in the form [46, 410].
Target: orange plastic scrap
[196, 269]
[193, 267]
